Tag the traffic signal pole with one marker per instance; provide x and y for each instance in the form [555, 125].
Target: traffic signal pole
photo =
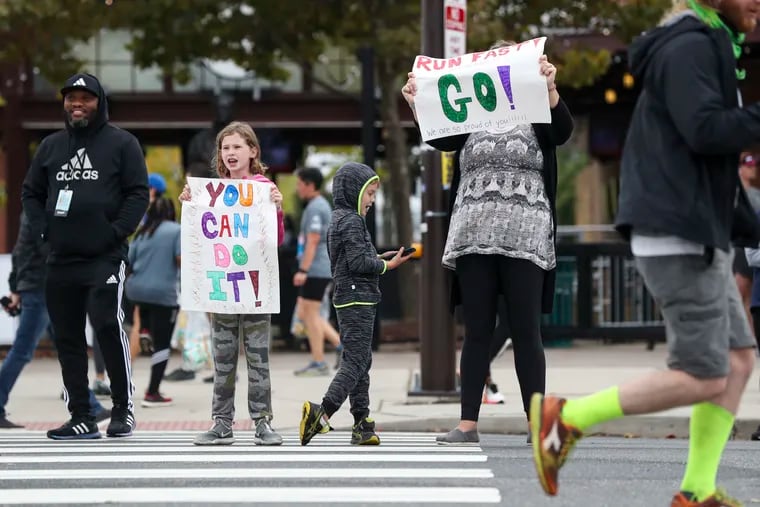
[436, 324]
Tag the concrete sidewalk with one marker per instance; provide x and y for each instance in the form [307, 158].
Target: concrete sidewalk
[582, 369]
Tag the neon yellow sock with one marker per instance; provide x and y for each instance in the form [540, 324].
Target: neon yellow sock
[709, 429]
[593, 409]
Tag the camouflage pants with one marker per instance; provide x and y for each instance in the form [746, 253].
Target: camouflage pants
[225, 342]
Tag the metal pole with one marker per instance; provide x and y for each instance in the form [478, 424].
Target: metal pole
[366, 56]
[437, 340]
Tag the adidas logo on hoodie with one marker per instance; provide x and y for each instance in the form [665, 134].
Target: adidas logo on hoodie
[78, 168]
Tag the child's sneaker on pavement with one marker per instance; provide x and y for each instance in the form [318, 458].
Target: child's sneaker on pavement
[552, 439]
[219, 434]
[718, 499]
[101, 389]
[265, 435]
[75, 429]
[458, 437]
[156, 400]
[122, 422]
[492, 396]
[313, 421]
[363, 433]
[313, 369]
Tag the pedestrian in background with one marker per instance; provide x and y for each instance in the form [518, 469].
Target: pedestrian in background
[313, 276]
[152, 284]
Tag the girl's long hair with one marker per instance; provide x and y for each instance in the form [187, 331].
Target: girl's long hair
[160, 210]
[249, 136]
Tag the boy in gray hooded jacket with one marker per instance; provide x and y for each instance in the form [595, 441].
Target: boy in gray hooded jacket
[356, 269]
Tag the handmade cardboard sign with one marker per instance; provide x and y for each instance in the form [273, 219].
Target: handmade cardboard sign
[480, 91]
[229, 248]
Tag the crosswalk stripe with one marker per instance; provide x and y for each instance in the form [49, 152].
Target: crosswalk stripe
[331, 470]
[260, 495]
[180, 435]
[248, 473]
[190, 448]
[256, 458]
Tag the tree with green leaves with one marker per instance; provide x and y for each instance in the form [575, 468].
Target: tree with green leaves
[44, 32]
[577, 65]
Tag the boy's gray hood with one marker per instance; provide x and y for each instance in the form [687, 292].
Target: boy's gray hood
[349, 185]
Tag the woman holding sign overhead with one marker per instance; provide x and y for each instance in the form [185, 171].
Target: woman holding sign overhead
[238, 156]
[501, 240]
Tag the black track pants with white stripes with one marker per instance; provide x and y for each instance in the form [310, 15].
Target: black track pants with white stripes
[74, 291]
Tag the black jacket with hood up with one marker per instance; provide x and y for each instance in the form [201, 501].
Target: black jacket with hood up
[105, 168]
[679, 173]
[356, 268]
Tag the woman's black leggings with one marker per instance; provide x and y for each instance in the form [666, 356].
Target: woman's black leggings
[481, 278]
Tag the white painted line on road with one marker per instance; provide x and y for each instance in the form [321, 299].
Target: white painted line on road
[252, 457]
[160, 436]
[248, 473]
[180, 433]
[247, 495]
[190, 448]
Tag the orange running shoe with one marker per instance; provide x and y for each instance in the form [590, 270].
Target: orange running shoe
[719, 499]
[552, 439]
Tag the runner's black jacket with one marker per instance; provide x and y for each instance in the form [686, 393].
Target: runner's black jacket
[679, 173]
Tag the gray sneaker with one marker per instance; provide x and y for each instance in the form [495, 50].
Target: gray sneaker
[458, 437]
[265, 435]
[313, 369]
[219, 434]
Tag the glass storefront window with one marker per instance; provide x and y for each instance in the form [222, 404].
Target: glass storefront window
[107, 57]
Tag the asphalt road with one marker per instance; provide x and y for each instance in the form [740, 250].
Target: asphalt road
[164, 468]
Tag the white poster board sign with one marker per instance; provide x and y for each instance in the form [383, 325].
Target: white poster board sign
[229, 248]
[479, 91]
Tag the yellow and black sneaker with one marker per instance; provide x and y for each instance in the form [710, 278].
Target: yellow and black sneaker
[313, 420]
[363, 433]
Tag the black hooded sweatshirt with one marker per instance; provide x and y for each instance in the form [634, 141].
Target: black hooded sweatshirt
[679, 172]
[356, 268]
[104, 167]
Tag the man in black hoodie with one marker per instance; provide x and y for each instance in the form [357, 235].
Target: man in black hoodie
[85, 193]
[682, 206]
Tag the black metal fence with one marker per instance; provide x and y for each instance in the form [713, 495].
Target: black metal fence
[600, 294]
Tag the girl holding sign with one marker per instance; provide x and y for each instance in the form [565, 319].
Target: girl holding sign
[508, 174]
[238, 156]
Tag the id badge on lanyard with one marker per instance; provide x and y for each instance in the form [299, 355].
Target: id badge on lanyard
[63, 203]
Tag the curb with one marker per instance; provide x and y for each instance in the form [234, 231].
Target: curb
[628, 427]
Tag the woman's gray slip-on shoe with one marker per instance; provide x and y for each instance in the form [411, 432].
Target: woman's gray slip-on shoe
[458, 437]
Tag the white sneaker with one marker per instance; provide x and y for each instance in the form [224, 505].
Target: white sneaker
[492, 396]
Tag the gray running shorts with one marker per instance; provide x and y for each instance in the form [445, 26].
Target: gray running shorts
[704, 316]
